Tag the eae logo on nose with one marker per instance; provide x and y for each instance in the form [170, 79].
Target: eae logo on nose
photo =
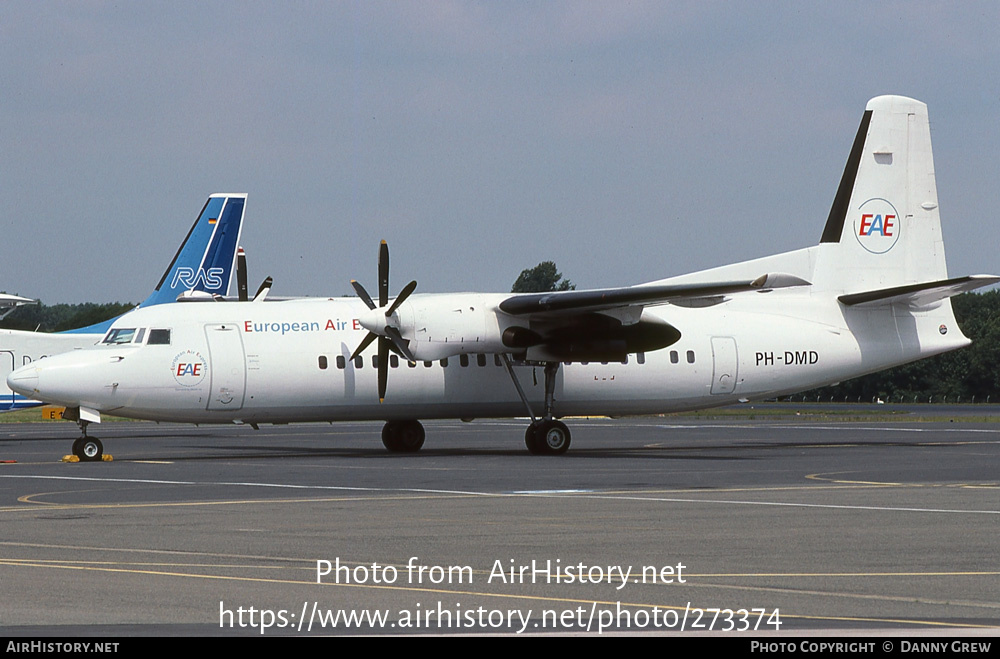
[876, 225]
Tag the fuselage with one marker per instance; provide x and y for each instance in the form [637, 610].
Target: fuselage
[19, 348]
[287, 361]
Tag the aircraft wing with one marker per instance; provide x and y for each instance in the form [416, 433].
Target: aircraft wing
[537, 305]
[918, 295]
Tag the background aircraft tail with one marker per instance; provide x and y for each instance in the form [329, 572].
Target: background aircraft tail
[206, 259]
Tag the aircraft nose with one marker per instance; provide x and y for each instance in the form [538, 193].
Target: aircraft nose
[24, 380]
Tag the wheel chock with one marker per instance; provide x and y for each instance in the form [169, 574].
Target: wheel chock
[70, 458]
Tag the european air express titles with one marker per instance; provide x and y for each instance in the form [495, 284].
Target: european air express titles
[337, 325]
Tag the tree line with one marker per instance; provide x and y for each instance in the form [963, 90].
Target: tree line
[61, 317]
[968, 375]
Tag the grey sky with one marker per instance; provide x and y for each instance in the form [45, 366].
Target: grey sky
[627, 141]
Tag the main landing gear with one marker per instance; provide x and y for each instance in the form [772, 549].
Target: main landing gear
[88, 449]
[545, 436]
[403, 436]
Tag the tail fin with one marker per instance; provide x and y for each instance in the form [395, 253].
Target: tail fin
[205, 260]
[884, 229]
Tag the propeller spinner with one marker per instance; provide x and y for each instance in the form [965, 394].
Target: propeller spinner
[379, 322]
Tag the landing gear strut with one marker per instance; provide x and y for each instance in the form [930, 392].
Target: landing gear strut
[88, 449]
[403, 436]
[545, 436]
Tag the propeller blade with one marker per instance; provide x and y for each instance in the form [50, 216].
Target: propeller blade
[365, 342]
[401, 298]
[399, 343]
[363, 294]
[265, 287]
[383, 366]
[241, 275]
[383, 274]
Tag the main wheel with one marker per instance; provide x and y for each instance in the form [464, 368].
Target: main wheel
[549, 437]
[410, 436]
[553, 437]
[530, 439]
[88, 449]
[389, 434]
[403, 436]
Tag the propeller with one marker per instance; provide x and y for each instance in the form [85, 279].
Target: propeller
[241, 275]
[379, 322]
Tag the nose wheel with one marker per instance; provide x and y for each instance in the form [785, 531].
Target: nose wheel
[88, 449]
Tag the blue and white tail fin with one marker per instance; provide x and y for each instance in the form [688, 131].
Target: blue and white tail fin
[205, 261]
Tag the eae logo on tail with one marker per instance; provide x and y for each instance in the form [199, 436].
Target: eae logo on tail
[876, 225]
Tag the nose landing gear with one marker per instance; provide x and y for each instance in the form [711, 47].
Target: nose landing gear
[88, 449]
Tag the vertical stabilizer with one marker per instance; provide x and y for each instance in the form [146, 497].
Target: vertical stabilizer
[884, 229]
[206, 259]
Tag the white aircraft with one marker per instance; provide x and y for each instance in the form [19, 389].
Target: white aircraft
[873, 294]
[203, 265]
[10, 302]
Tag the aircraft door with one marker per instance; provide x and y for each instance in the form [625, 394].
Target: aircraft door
[227, 366]
[6, 366]
[724, 364]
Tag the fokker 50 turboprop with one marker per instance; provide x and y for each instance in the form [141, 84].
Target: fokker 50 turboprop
[203, 265]
[872, 294]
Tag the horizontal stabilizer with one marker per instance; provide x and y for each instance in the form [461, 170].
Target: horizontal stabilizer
[918, 295]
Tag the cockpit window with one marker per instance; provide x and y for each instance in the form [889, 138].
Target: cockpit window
[120, 335]
[159, 337]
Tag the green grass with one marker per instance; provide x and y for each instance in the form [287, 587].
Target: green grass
[34, 415]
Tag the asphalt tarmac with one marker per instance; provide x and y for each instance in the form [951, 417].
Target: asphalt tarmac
[647, 525]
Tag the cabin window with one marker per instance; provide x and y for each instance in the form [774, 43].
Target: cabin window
[341, 362]
[444, 362]
[463, 360]
[640, 358]
[359, 362]
[690, 356]
[673, 357]
[158, 337]
[374, 361]
[323, 362]
[394, 361]
[481, 360]
[497, 360]
[119, 336]
[411, 364]
[428, 364]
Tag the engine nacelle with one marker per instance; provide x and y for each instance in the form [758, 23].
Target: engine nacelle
[439, 326]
